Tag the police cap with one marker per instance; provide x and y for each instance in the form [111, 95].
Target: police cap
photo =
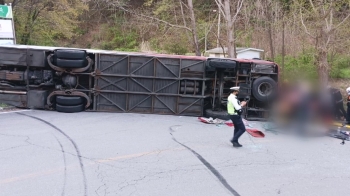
[235, 88]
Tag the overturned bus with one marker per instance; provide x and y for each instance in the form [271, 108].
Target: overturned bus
[75, 80]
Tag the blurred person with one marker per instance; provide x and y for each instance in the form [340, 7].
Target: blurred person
[324, 104]
[286, 104]
[234, 109]
[303, 112]
[348, 107]
[285, 84]
[337, 103]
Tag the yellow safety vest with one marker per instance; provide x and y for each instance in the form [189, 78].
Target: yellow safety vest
[230, 108]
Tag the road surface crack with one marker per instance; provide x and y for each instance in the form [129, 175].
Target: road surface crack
[103, 188]
[17, 146]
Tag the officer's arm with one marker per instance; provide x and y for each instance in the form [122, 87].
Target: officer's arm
[236, 105]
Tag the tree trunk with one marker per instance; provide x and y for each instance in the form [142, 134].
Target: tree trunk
[322, 56]
[283, 45]
[229, 25]
[234, 41]
[219, 24]
[271, 42]
[323, 67]
[321, 21]
[269, 29]
[194, 28]
[26, 33]
[184, 20]
[14, 3]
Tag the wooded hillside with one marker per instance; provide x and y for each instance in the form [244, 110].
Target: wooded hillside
[307, 37]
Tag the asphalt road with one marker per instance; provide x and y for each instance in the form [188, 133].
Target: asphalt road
[50, 153]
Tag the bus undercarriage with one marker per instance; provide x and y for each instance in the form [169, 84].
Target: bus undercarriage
[75, 80]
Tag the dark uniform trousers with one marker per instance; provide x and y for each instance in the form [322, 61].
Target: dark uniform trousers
[337, 98]
[340, 111]
[348, 110]
[239, 127]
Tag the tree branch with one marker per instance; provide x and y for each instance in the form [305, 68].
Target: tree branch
[183, 14]
[302, 22]
[221, 6]
[331, 20]
[153, 18]
[313, 6]
[14, 3]
[219, 3]
[328, 40]
[342, 21]
[184, 20]
[240, 4]
[184, 4]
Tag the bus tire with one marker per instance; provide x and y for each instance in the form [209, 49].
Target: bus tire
[71, 54]
[264, 89]
[69, 101]
[68, 63]
[70, 109]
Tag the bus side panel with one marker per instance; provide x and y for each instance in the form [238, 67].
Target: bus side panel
[9, 56]
[14, 100]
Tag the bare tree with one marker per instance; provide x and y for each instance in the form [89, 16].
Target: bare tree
[184, 19]
[152, 19]
[194, 28]
[268, 16]
[285, 8]
[227, 9]
[319, 22]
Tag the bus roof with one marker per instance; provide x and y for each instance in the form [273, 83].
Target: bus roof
[96, 51]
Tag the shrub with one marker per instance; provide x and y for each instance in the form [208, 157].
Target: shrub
[121, 39]
[303, 65]
[340, 67]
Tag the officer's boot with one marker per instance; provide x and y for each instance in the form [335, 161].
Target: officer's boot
[236, 144]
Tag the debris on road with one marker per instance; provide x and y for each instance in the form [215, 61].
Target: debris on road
[270, 127]
[211, 120]
[6, 108]
[339, 134]
[219, 123]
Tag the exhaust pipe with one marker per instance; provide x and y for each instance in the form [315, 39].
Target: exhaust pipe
[13, 92]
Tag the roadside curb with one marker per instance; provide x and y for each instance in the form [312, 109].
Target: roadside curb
[12, 111]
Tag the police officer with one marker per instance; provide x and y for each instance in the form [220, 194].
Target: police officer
[348, 107]
[234, 109]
